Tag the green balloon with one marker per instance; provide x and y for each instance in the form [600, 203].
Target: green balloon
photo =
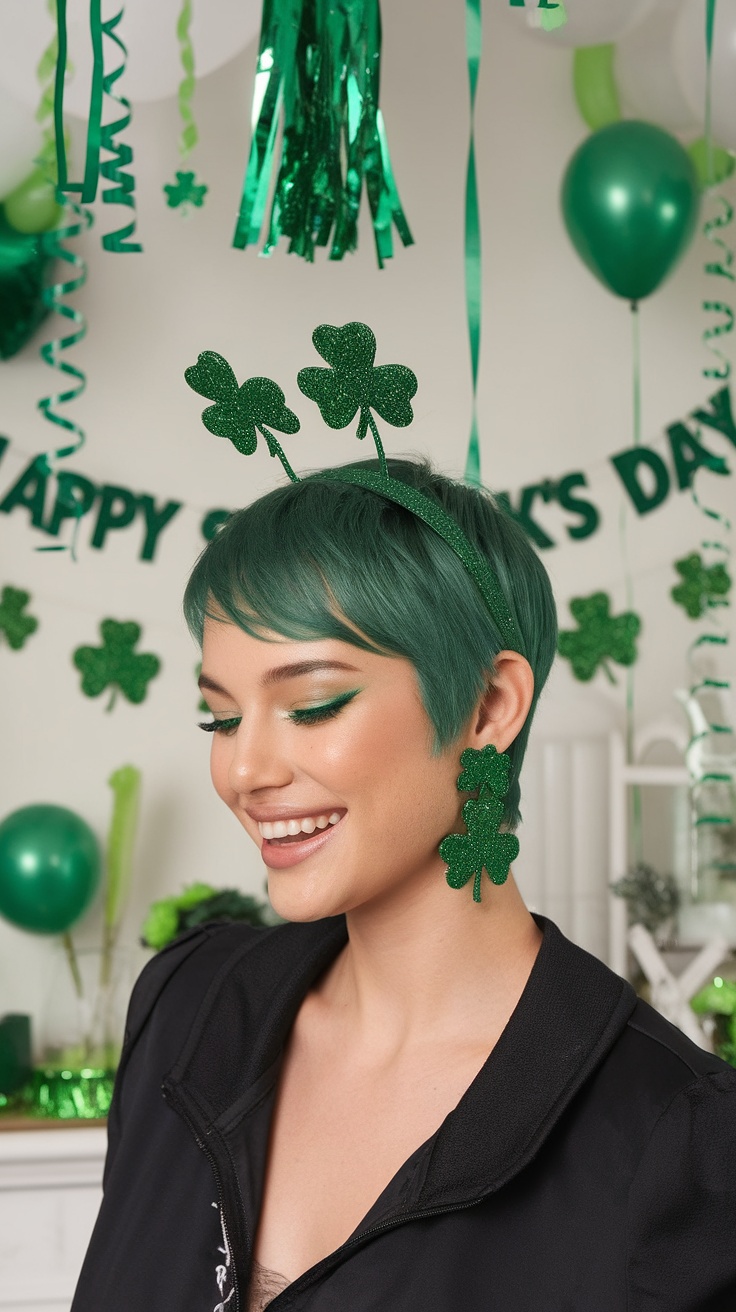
[49, 868]
[23, 265]
[32, 207]
[594, 84]
[630, 202]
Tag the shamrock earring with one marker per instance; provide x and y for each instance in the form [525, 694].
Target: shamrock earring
[482, 847]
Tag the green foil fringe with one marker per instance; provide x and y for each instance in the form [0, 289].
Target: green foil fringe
[63, 1095]
[318, 71]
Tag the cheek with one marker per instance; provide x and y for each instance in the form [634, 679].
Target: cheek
[220, 758]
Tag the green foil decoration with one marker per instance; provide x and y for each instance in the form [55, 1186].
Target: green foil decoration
[116, 665]
[14, 624]
[318, 72]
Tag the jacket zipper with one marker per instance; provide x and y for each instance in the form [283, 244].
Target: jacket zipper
[174, 1102]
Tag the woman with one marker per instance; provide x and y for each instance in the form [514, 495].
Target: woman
[404, 1098]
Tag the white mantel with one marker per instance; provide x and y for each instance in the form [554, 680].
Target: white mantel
[50, 1190]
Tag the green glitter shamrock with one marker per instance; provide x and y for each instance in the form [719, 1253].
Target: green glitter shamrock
[16, 626]
[115, 664]
[600, 637]
[701, 585]
[353, 383]
[240, 413]
[184, 192]
[483, 847]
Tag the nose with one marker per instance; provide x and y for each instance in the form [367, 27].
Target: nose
[257, 761]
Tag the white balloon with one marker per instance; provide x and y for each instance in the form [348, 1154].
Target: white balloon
[220, 30]
[589, 22]
[689, 62]
[645, 74]
[20, 142]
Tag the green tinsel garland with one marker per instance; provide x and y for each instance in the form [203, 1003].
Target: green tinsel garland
[319, 67]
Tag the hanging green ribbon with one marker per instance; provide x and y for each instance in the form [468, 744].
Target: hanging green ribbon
[189, 134]
[122, 191]
[473, 285]
[318, 70]
[88, 184]
[98, 137]
[717, 267]
[52, 353]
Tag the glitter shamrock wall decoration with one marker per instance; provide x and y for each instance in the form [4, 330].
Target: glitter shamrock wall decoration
[240, 413]
[701, 587]
[115, 664]
[354, 383]
[482, 847]
[16, 626]
[599, 638]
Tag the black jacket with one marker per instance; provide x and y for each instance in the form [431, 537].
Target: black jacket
[590, 1166]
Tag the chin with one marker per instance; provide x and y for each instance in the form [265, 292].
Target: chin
[301, 905]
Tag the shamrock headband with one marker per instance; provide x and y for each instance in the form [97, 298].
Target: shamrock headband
[350, 385]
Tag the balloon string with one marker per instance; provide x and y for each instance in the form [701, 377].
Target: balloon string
[710, 18]
[122, 192]
[473, 271]
[51, 352]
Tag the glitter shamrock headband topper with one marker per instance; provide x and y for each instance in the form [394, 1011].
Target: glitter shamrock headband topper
[351, 385]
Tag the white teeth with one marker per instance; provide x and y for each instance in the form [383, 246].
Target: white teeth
[307, 825]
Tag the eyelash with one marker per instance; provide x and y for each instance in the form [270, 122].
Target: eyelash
[305, 715]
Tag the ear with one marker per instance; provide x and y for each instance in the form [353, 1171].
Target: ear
[504, 706]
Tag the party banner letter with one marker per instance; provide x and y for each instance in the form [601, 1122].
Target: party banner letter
[75, 495]
[156, 521]
[30, 491]
[689, 455]
[108, 517]
[627, 466]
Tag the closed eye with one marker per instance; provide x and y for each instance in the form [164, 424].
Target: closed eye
[221, 726]
[327, 711]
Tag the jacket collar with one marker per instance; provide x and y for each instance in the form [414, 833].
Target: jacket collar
[571, 1012]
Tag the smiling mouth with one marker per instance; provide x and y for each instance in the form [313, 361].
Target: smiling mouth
[281, 833]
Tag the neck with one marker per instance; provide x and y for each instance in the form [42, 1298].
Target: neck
[434, 964]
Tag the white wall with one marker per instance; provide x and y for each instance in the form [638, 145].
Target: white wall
[555, 395]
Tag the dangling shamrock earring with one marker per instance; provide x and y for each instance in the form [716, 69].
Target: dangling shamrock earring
[483, 847]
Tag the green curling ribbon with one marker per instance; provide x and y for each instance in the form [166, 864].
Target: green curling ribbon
[88, 185]
[319, 68]
[473, 284]
[113, 170]
[189, 134]
[54, 298]
[713, 581]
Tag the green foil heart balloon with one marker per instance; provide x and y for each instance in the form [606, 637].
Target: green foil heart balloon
[49, 868]
[23, 265]
[630, 200]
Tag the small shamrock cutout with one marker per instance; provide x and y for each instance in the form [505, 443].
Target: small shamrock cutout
[702, 586]
[240, 413]
[185, 192]
[482, 847]
[13, 623]
[115, 664]
[600, 637]
[353, 383]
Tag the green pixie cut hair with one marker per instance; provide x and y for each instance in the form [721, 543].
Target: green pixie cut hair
[304, 559]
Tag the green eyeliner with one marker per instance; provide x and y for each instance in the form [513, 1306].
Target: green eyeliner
[315, 714]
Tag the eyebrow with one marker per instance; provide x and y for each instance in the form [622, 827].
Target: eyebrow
[280, 673]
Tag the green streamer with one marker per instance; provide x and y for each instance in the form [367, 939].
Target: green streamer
[122, 191]
[318, 70]
[473, 282]
[88, 185]
[189, 134]
[52, 353]
[719, 266]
